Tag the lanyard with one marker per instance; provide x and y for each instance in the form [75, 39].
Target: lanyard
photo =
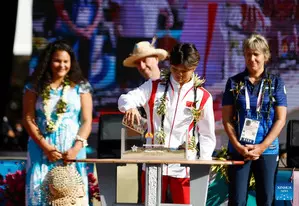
[259, 98]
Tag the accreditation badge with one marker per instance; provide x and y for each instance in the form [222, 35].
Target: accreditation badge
[249, 131]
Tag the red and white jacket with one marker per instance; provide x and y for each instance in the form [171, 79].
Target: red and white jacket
[178, 118]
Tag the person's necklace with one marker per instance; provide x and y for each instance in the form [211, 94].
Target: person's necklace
[61, 106]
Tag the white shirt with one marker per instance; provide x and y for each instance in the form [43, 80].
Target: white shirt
[178, 117]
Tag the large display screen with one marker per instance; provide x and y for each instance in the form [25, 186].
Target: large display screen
[103, 34]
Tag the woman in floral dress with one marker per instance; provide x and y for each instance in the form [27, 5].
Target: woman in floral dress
[57, 115]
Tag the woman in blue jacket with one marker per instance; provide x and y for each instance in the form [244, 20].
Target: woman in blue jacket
[254, 113]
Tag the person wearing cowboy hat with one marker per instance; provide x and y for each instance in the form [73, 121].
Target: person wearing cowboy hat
[145, 58]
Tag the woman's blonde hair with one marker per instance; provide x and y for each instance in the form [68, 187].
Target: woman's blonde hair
[257, 42]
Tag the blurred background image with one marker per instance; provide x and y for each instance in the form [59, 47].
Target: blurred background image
[103, 33]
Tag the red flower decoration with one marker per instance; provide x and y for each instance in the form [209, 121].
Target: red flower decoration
[12, 191]
[94, 190]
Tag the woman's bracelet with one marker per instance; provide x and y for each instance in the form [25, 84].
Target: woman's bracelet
[84, 141]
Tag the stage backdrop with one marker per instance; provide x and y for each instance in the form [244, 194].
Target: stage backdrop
[103, 33]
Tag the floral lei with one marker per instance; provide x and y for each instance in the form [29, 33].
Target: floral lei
[240, 85]
[161, 108]
[236, 92]
[61, 106]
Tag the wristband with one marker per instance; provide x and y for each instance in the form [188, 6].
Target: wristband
[84, 141]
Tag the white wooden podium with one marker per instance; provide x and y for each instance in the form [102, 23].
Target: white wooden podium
[199, 178]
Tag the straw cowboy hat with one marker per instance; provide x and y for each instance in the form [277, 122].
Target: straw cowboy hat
[144, 49]
[64, 187]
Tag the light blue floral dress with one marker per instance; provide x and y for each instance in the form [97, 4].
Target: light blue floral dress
[63, 138]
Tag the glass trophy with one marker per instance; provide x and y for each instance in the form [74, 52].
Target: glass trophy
[137, 127]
